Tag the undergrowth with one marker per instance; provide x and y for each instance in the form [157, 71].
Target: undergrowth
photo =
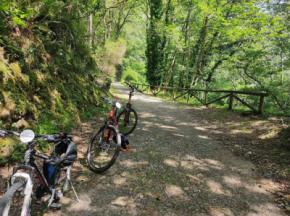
[47, 74]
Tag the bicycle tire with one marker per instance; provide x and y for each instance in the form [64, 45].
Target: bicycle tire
[7, 197]
[121, 121]
[99, 138]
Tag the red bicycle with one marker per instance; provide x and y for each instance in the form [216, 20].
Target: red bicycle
[128, 118]
[105, 145]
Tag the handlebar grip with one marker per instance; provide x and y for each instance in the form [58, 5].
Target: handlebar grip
[53, 138]
[107, 100]
[3, 133]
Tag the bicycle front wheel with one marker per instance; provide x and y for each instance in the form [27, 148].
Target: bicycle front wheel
[104, 149]
[127, 121]
[10, 203]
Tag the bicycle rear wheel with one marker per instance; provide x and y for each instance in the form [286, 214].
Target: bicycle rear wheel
[10, 203]
[127, 121]
[104, 149]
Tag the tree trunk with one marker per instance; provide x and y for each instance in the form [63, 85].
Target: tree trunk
[90, 30]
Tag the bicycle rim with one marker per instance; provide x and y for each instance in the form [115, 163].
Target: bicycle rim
[127, 121]
[12, 201]
[103, 149]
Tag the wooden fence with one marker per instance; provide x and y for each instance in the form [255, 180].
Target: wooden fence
[201, 95]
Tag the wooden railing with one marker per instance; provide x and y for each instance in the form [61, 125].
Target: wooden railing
[201, 95]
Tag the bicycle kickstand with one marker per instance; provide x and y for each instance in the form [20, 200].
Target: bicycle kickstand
[73, 188]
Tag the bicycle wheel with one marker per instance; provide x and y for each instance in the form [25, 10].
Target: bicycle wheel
[10, 203]
[127, 121]
[104, 149]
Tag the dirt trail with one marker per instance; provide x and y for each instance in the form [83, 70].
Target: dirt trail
[176, 169]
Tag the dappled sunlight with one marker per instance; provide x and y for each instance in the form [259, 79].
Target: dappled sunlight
[217, 132]
[240, 131]
[133, 164]
[232, 181]
[147, 115]
[178, 135]
[200, 128]
[149, 124]
[255, 188]
[119, 181]
[174, 191]
[265, 209]
[235, 182]
[122, 201]
[219, 211]
[189, 165]
[204, 137]
[217, 188]
[233, 124]
[200, 108]
[259, 123]
[167, 127]
[270, 133]
[190, 162]
[84, 203]
[147, 99]
[171, 162]
[196, 179]
[214, 163]
[125, 201]
[82, 178]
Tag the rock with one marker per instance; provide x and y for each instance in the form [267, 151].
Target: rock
[4, 113]
[20, 124]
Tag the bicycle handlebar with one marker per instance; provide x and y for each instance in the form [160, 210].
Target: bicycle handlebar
[45, 137]
[109, 101]
[132, 87]
[4, 133]
[54, 137]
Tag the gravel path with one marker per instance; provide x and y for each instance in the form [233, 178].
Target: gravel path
[175, 169]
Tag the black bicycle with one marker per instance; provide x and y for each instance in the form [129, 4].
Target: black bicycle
[28, 181]
[128, 118]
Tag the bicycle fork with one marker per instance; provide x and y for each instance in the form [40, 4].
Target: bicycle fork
[27, 193]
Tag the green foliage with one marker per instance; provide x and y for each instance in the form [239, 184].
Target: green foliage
[131, 75]
[221, 45]
[154, 49]
[47, 72]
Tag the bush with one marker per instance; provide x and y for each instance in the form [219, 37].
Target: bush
[130, 75]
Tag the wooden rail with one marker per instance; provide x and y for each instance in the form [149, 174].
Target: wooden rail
[201, 95]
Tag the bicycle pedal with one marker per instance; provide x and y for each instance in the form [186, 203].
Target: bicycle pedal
[55, 206]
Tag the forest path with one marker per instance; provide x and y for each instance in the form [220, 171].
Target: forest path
[177, 168]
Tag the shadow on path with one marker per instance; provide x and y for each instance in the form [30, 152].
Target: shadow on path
[177, 168]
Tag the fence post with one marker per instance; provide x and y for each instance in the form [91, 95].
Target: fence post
[231, 101]
[205, 97]
[261, 104]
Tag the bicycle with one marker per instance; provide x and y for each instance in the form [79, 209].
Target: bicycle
[27, 179]
[128, 118]
[105, 146]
